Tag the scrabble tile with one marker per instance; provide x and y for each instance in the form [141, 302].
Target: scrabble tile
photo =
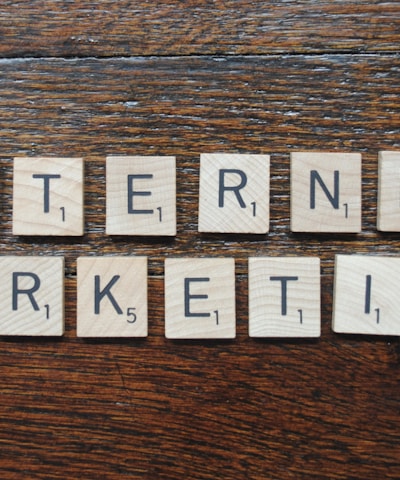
[325, 192]
[366, 296]
[112, 297]
[200, 298]
[234, 193]
[388, 218]
[32, 296]
[284, 297]
[141, 195]
[48, 196]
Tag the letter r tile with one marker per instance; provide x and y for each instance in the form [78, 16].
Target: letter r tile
[112, 297]
[325, 192]
[200, 298]
[141, 195]
[32, 295]
[234, 193]
[366, 296]
[48, 196]
[284, 297]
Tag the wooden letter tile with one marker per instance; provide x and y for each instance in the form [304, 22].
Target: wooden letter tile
[389, 192]
[32, 296]
[325, 192]
[141, 195]
[234, 193]
[48, 196]
[200, 298]
[284, 297]
[366, 295]
[112, 297]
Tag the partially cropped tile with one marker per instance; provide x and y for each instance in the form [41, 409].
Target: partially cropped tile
[48, 196]
[112, 297]
[325, 192]
[284, 297]
[388, 218]
[141, 195]
[200, 298]
[32, 295]
[234, 193]
[366, 296]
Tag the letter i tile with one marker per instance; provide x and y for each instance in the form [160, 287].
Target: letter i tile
[141, 195]
[366, 296]
[325, 192]
[32, 296]
[48, 196]
[234, 193]
[112, 297]
[200, 298]
[284, 297]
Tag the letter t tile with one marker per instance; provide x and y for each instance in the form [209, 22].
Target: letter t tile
[48, 196]
[284, 297]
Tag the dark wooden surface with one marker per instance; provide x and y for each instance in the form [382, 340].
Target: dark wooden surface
[96, 78]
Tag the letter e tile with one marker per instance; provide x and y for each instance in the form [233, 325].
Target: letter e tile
[200, 298]
[112, 297]
[141, 195]
[388, 219]
[234, 193]
[48, 196]
[284, 297]
[366, 296]
[32, 296]
[325, 192]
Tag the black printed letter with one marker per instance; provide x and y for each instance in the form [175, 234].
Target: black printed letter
[99, 295]
[334, 200]
[28, 291]
[283, 281]
[235, 189]
[188, 296]
[46, 195]
[132, 193]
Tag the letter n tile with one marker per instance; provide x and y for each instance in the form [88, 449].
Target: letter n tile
[325, 192]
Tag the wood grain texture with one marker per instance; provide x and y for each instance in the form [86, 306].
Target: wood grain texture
[155, 408]
[106, 28]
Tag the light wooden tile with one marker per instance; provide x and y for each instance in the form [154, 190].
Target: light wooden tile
[234, 193]
[141, 195]
[200, 298]
[325, 192]
[112, 297]
[32, 295]
[388, 218]
[48, 196]
[366, 295]
[284, 297]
